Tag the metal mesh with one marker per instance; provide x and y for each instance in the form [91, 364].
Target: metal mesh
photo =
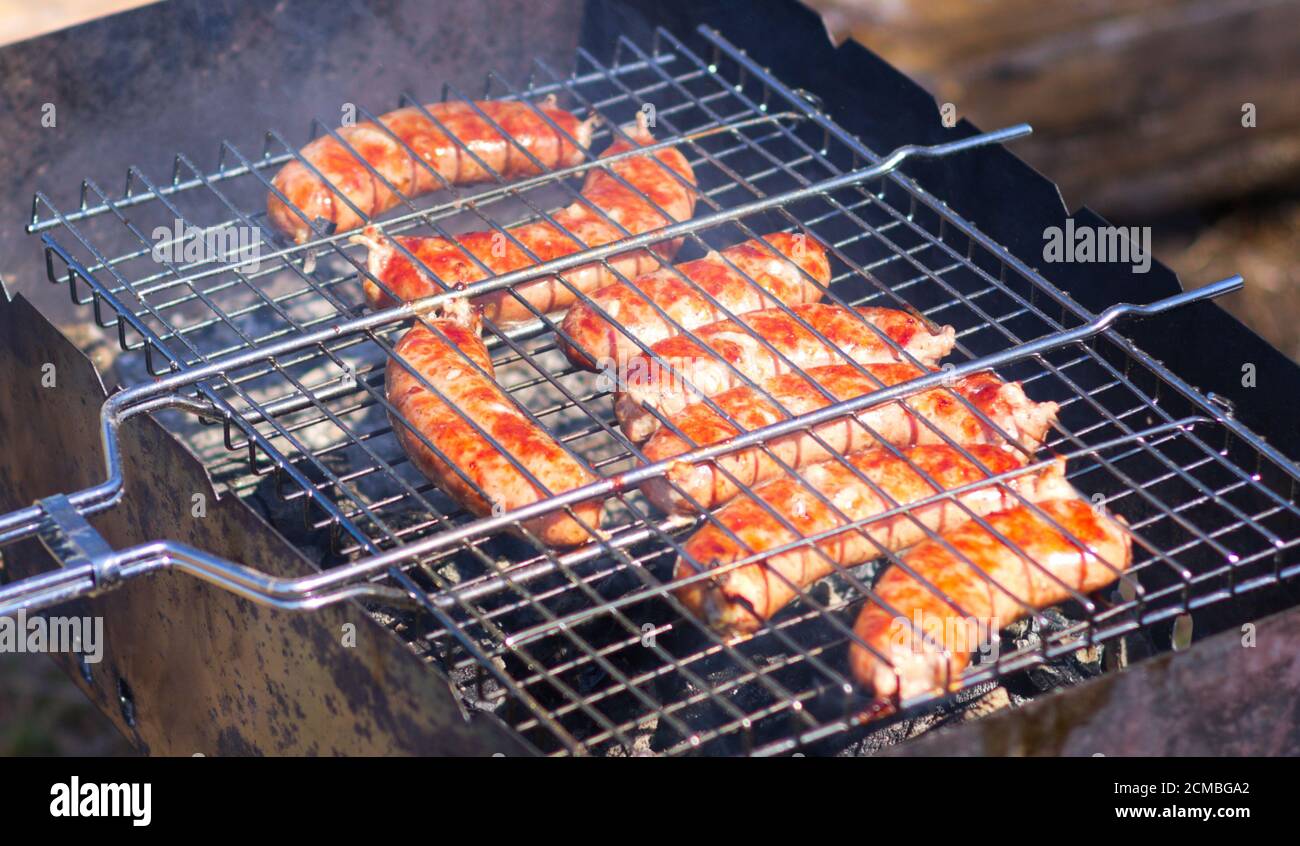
[589, 651]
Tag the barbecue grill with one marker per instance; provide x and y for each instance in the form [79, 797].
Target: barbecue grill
[270, 370]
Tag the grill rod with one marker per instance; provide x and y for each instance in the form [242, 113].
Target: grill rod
[701, 222]
[471, 590]
[321, 589]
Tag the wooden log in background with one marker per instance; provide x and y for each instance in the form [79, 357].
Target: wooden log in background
[1136, 104]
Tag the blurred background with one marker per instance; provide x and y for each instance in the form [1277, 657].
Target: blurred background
[1142, 109]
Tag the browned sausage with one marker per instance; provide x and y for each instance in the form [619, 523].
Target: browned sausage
[706, 361]
[456, 261]
[522, 127]
[991, 585]
[739, 600]
[759, 277]
[901, 424]
[492, 479]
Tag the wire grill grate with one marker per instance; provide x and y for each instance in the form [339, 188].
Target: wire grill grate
[588, 651]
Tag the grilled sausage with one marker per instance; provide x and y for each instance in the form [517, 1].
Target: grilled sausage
[702, 362]
[489, 476]
[990, 583]
[740, 600]
[347, 179]
[457, 261]
[900, 424]
[759, 277]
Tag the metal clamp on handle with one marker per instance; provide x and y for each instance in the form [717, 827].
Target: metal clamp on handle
[75, 543]
[89, 563]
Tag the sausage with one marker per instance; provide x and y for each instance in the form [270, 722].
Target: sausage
[526, 127]
[740, 600]
[453, 261]
[1026, 576]
[902, 424]
[474, 395]
[759, 277]
[701, 363]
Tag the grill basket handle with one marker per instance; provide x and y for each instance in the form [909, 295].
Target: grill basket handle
[90, 565]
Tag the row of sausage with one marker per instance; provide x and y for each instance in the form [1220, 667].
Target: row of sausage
[701, 352]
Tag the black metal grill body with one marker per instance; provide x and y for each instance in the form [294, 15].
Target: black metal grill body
[585, 653]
